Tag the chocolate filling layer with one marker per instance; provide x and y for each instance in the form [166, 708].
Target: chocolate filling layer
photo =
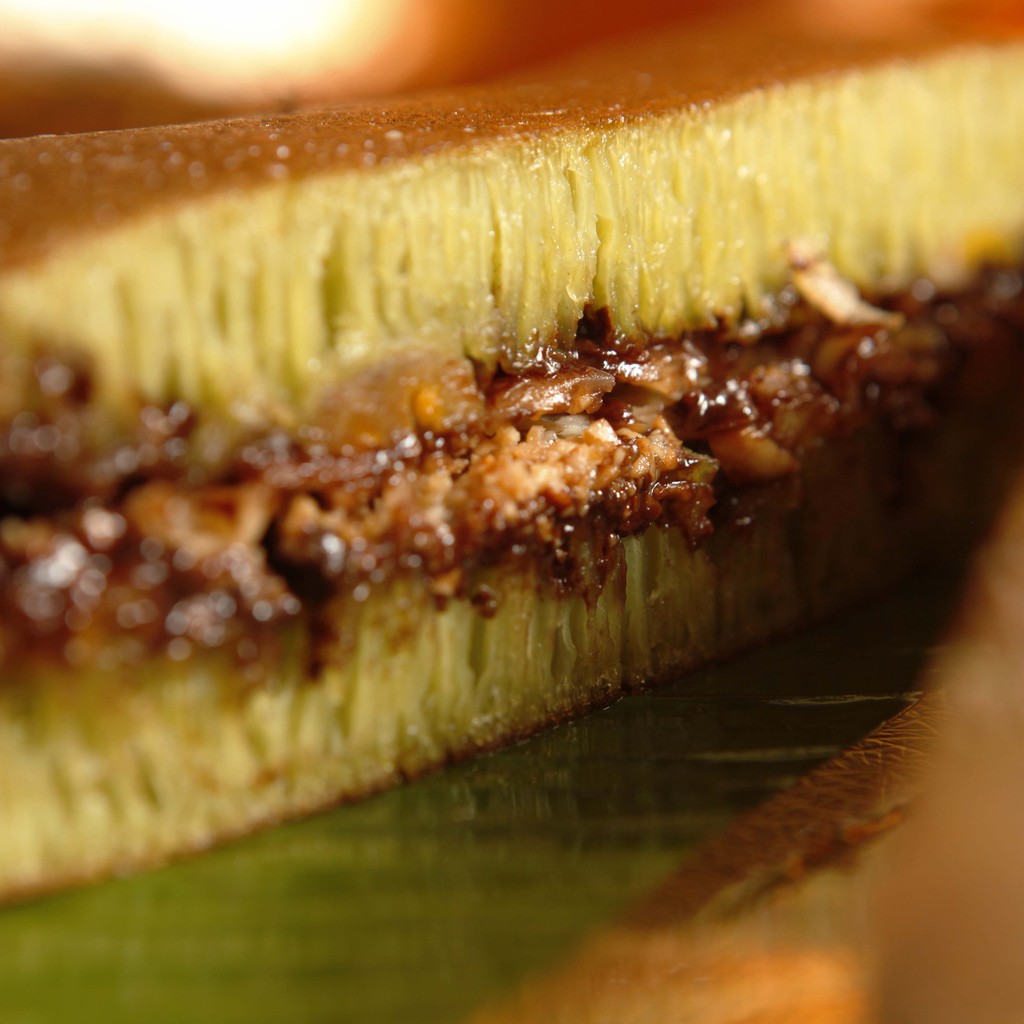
[181, 534]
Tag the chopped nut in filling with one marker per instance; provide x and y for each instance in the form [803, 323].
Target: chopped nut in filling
[182, 535]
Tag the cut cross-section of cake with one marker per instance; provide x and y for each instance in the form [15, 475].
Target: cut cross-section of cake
[334, 446]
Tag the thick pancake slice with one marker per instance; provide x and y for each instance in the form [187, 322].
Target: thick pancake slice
[337, 446]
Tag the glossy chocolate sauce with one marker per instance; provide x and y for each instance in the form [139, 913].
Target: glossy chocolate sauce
[182, 535]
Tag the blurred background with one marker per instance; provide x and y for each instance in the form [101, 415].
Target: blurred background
[81, 65]
[69, 65]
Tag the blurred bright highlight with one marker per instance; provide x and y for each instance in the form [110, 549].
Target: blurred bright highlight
[203, 46]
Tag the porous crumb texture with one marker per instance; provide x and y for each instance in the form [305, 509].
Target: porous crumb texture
[260, 286]
[105, 773]
[98, 772]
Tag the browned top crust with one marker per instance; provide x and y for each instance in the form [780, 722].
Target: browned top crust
[55, 186]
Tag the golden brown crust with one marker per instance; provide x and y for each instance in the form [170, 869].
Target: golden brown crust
[735, 936]
[52, 187]
[822, 820]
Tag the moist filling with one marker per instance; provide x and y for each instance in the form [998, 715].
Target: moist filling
[181, 534]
